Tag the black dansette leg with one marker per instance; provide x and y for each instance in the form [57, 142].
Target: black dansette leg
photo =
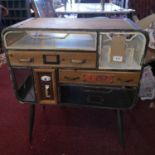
[31, 120]
[120, 127]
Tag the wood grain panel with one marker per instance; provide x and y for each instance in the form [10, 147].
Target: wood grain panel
[25, 58]
[82, 60]
[67, 59]
[99, 77]
[40, 86]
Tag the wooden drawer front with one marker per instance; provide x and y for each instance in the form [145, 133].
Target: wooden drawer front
[82, 60]
[25, 58]
[45, 86]
[99, 77]
[55, 59]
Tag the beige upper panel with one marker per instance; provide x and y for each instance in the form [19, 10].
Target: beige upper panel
[71, 24]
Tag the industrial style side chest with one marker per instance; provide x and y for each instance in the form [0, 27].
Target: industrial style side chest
[87, 62]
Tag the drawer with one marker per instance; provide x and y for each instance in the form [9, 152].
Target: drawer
[25, 58]
[103, 96]
[99, 77]
[79, 60]
[54, 59]
[46, 86]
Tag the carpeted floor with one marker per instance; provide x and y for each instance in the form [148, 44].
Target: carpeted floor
[71, 131]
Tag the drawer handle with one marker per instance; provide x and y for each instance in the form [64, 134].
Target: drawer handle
[71, 78]
[129, 81]
[108, 91]
[26, 60]
[76, 61]
[125, 81]
[47, 91]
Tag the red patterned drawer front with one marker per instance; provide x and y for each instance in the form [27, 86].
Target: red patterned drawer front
[99, 77]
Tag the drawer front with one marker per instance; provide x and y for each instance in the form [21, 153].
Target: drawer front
[104, 96]
[79, 60]
[25, 58]
[99, 77]
[54, 59]
[46, 86]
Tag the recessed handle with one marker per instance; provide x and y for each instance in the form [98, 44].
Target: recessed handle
[125, 81]
[71, 78]
[78, 61]
[129, 81]
[26, 60]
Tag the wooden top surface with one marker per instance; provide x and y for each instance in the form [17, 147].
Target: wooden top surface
[99, 23]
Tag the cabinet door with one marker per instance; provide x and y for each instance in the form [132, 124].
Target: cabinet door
[45, 86]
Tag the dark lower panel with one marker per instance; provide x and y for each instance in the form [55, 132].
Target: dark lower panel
[112, 97]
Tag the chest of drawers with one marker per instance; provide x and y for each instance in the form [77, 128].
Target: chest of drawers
[47, 56]
[82, 62]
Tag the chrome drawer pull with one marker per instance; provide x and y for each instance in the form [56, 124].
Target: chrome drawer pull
[26, 60]
[47, 91]
[76, 61]
[71, 78]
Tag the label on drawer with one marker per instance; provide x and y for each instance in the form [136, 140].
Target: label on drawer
[117, 58]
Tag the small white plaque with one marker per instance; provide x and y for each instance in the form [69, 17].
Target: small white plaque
[117, 58]
[46, 78]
